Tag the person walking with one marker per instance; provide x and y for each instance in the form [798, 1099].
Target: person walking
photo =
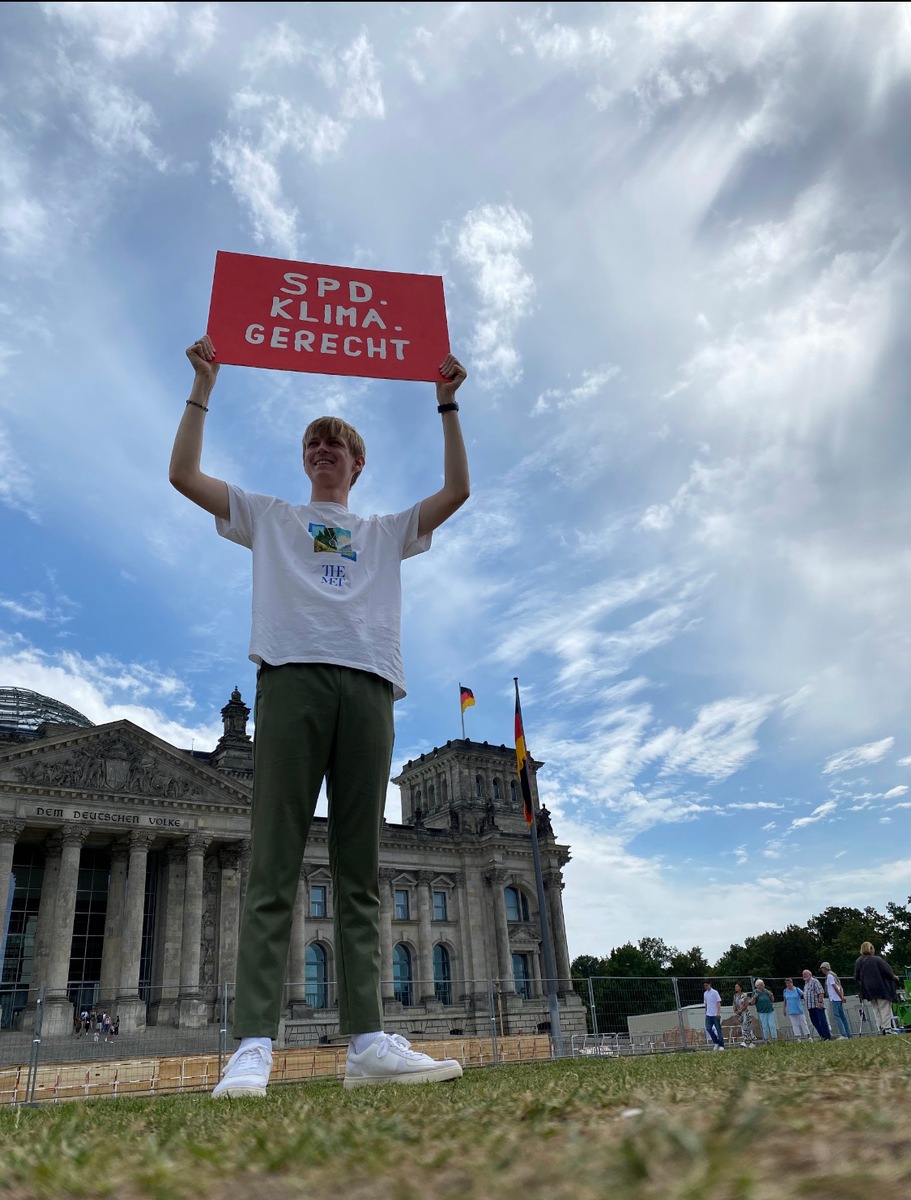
[792, 1001]
[763, 1000]
[836, 995]
[740, 1002]
[712, 1000]
[878, 983]
[814, 998]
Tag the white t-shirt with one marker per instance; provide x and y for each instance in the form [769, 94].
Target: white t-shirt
[831, 984]
[326, 583]
[712, 1003]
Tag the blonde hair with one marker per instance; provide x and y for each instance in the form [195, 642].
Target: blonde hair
[867, 948]
[335, 427]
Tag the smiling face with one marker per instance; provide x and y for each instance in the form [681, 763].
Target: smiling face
[334, 454]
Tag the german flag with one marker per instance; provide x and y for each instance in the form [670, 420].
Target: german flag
[522, 762]
[467, 697]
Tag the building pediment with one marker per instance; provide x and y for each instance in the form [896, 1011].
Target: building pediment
[522, 937]
[118, 759]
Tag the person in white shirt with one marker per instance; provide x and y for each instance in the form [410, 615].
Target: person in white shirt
[326, 635]
[836, 996]
[713, 1015]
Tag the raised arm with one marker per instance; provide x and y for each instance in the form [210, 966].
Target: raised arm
[184, 473]
[456, 486]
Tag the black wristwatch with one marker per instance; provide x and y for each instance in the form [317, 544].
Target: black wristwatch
[450, 407]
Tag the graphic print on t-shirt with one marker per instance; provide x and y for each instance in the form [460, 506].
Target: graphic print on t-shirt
[327, 539]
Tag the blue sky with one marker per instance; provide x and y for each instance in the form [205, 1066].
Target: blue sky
[674, 240]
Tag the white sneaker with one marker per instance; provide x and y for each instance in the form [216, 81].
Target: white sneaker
[246, 1072]
[390, 1059]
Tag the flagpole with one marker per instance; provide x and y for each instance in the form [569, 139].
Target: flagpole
[546, 947]
[463, 716]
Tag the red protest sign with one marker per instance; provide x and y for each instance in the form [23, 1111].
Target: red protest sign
[295, 316]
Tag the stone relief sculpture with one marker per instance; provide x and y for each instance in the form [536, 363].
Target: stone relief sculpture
[109, 764]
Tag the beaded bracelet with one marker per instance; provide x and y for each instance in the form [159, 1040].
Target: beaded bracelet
[451, 407]
[196, 404]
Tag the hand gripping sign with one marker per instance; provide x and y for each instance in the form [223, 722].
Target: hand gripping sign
[294, 316]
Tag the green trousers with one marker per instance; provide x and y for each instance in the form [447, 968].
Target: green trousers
[315, 722]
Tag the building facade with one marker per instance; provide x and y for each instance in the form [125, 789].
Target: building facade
[123, 865]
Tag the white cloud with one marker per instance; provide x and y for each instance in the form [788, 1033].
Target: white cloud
[16, 486]
[271, 130]
[202, 30]
[362, 95]
[905, 762]
[592, 385]
[119, 30]
[489, 243]
[757, 804]
[255, 181]
[817, 814]
[104, 689]
[895, 792]
[36, 606]
[721, 740]
[858, 756]
[23, 217]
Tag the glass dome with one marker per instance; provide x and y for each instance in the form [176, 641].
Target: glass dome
[24, 712]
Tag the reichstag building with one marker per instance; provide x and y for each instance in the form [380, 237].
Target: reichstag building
[123, 865]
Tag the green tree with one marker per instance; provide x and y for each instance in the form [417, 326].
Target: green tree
[898, 928]
[585, 966]
[840, 932]
[689, 964]
[658, 951]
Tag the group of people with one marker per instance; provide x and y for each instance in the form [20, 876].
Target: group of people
[98, 1024]
[877, 985]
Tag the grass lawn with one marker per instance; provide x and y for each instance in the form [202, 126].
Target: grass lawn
[831, 1121]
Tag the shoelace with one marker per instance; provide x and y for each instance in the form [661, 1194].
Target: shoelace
[401, 1044]
[249, 1053]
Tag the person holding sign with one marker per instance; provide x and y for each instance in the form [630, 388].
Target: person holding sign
[326, 638]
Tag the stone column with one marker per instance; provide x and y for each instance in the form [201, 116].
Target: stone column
[386, 877]
[163, 1008]
[297, 950]
[47, 913]
[537, 988]
[113, 925]
[475, 931]
[9, 832]
[424, 980]
[130, 1007]
[58, 1012]
[228, 914]
[191, 1007]
[497, 879]
[553, 884]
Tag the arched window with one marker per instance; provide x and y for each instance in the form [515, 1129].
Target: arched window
[516, 905]
[513, 791]
[430, 795]
[521, 971]
[402, 979]
[442, 975]
[317, 991]
[417, 797]
[479, 786]
[496, 790]
[444, 790]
